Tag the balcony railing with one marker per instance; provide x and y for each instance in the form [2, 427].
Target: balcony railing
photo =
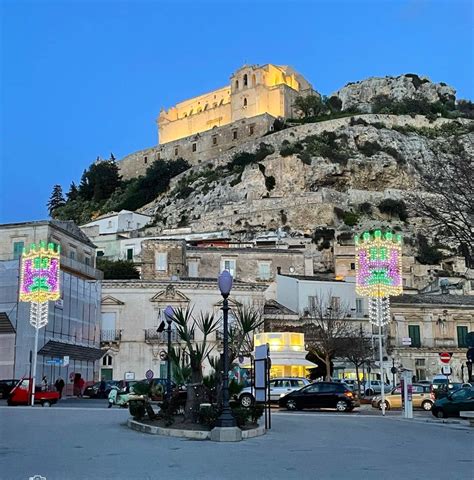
[152, 336]
[110, 335]
[86, 270]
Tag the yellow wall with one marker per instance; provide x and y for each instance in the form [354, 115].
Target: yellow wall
[270, 89]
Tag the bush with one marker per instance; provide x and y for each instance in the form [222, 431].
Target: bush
[208, 416]
[241, 160]
[291, 149]
[327, 146]
[305, 157]
[256, 411]
[428, 254]
[350, 218]
[365, 208]
[394, 207]
[370, 148]
[270, 183]
[117, 269]
[241, 415]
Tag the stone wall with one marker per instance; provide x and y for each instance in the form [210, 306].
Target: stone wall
[175, 251]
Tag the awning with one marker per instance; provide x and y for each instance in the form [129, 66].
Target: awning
[79, 352]
[299, 362]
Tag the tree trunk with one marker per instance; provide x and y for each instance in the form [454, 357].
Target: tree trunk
[357, 376]
[327, 361]
[195, 396]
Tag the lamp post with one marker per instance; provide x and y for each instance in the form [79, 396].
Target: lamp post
[226, 419]
[169, 313]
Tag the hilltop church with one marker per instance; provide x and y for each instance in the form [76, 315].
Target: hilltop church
[203, 127]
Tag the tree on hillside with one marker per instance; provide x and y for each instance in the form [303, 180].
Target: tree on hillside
[100, 180]
[446, 196]
[117, 269]
[55, 200]
[309, 106]
[73, 192]
[328, 328]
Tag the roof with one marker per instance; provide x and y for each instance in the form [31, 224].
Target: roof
[272, 307]
[54, 348]
[245, 250]
[434, 299]
[113, 214]
[6, 325]
[315, 278]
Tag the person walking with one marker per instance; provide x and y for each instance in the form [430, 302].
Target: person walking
[59, 384]
[44, 384]
[81, 386]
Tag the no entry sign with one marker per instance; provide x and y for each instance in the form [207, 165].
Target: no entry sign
[445, 357]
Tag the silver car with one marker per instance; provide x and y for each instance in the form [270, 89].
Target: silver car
[278, 387]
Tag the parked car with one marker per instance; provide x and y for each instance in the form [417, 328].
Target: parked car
[461, 400]
[321, 395]
[278, 386]
[93, 391]
[21, 394]
[444, 389]
[421, 395]
[374, 387]
[6, 386]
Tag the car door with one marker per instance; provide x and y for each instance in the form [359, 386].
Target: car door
[328, 395]
[309, 396]
[458, 401]
[395, 398]
[275, 389]
[418, 395]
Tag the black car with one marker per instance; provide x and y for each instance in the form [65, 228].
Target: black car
[93, 391]
[6, 387]
[321, 395]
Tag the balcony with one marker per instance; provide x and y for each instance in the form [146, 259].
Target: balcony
[445, 343]
[109, 336]
[152, 336]
[81, 268]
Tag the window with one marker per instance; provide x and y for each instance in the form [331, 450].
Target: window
[264, 270]
[72, 254]
[161, 261]
[107, 361]
[87, 260]
[234, 135]
[353, 266]
[245, 80]
[336, 303]
[157, 156]
[100, 253]
[312, 302]
[229, 265]
[462, 334]
[194, 147]
[129, 253]
[17, 249]
[109, 224]
[251, 129]
[145, 159]
[414, 334]
[236, 84]
[245, 102]
[314, 388]
[297, 383]
[420, 369]
[359, 305]
[176, 151]
[214, 140]
[327, 388]
[193, 268]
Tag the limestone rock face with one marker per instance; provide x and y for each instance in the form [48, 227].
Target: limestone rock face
[361, 94]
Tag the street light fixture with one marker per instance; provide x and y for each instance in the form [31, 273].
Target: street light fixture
[169, 314]
[226, 419]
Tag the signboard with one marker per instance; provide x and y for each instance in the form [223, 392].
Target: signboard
[445, 357]
[149, 374]
[54, 361]
[129, 376]
[406, 341]
[446, 370]
[65, 360]
[261, 355]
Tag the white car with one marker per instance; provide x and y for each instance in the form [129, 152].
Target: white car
[278, 387]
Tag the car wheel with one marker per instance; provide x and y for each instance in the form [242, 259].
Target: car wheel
[369, 392]
[291, 405]
[427, 405]
[342, 406]
[441, 413]
[46, 403]
[387, 405]
[246, 400]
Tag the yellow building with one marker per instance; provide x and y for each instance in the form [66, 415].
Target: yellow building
[254, 90]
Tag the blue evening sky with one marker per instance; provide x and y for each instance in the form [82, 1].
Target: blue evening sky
[81, 79]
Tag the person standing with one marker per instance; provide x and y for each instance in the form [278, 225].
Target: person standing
[59, 384]
[44, 384]
[81, 386]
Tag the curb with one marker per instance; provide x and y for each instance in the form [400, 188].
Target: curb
[192, 434]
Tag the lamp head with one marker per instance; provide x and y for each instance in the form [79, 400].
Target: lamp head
[225, 282]
[169, 313]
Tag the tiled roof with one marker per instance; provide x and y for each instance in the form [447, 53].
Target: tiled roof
[434, 299]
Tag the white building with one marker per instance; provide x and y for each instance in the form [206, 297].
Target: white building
[123, 221]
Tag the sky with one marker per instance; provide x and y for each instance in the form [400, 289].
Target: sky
[84, 78]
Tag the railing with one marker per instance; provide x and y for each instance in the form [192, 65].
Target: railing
[110, 335]
[79, 267]
[152, 336]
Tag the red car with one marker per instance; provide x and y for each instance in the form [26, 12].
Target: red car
[21, 394]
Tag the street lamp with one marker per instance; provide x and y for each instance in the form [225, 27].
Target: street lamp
[226, 419]
[169, 314]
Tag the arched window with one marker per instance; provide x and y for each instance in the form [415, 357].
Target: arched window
[245, 102]
[245, 80]
[236, 84]
[107, 361]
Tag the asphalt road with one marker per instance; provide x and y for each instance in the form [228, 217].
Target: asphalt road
[81, 439]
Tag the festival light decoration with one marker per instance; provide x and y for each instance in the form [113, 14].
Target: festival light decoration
[39, 284]
[378, 276]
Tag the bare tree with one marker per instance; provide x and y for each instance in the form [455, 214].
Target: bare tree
[329, 325]
[358, 350]
[447, 195]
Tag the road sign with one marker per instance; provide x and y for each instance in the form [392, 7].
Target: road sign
[446, 370]
[445, 357]
[54, 361]
[149, 374]
[406, 341]
[65, 360]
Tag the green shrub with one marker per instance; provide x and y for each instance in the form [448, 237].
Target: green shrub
[291, 149]
[365, 208]
[117, 269]
[241, 160]
[137, 409]
[183, 221]
[208, 416]
[305, 157]
[241, 415]
[428, 254]
[270, 183]
[350, 218]
[394, 207]
[236, 180]
[327, 146]
[256, 412]
[370, 148]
